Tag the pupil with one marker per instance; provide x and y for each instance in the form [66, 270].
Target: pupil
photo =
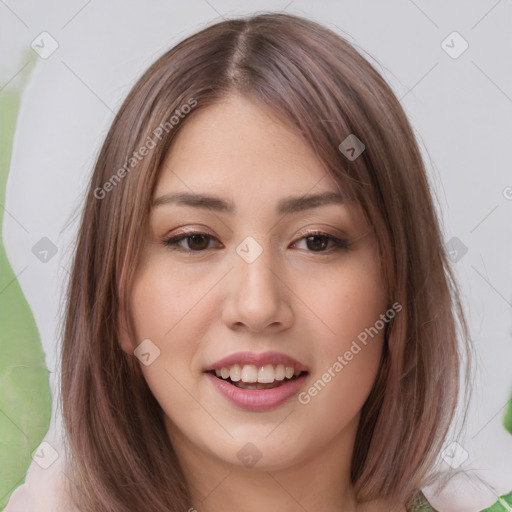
[313, 237]
[193, 238]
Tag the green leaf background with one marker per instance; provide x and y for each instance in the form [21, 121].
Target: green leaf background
[25, 401]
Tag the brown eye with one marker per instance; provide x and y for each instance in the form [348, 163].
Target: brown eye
[196, 242]
[319, 242]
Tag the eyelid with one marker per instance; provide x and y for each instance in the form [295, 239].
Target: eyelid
[340, 235]
[308, 231]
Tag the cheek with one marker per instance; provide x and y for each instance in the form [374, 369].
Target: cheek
[165, 309]
[164, 303]
[350, 300]
[349, 351]
[163, 319]
[159, 316]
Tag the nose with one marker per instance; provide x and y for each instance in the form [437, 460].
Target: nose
[258, 298]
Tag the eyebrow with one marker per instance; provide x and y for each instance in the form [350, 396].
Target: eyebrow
[290, 204]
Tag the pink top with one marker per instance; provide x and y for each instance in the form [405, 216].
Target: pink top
[43, 491]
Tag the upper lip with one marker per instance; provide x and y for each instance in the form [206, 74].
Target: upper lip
[257, 359]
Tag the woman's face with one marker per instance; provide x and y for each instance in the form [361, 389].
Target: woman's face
[254, 298]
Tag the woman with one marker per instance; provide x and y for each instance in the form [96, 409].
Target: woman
[261, 314]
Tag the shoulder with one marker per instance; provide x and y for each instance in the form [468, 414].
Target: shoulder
[422, 505]
[44, 490]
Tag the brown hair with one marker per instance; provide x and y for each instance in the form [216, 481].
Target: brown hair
[314, 80]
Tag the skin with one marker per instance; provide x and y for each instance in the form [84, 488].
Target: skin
[307, 302]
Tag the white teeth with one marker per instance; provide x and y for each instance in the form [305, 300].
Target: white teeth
[250, 373]
[280, 373]
[235, 373]
[266, 374]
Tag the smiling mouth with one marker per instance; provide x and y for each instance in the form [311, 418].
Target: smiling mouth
[249, 377]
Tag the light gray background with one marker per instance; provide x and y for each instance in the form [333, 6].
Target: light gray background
[460, 109]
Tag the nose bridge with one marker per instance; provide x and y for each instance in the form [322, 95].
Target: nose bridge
[258, 298]
[253, 269]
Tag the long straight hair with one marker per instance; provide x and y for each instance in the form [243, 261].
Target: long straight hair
[315, 81]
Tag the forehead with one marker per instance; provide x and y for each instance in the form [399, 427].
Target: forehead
[236, 145]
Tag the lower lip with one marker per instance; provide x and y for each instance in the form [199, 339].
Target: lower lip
[258, 399]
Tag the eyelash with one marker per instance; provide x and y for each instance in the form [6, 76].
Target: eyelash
[172, 242]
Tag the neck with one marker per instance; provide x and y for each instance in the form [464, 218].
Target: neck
[317, 480]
